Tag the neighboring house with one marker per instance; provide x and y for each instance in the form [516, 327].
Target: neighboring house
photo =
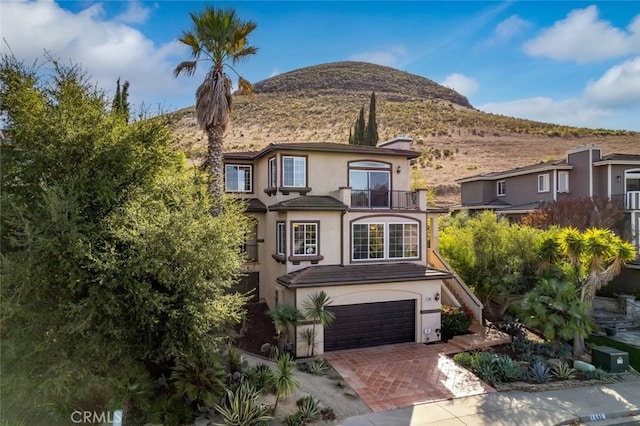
[584, 172]
[341, 218]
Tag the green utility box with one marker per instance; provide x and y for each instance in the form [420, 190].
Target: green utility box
[610, 359]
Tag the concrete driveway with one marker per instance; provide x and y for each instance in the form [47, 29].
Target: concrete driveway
[406, 374]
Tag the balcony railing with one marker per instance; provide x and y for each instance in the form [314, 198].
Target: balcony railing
[630, 199]
[250, 251]
[383, 199]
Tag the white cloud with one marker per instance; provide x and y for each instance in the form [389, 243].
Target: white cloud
[619, 86]
[510, 27]
[571, 112]
[136, 13]
[389, 57]
[612, 101]
[582, 37]
[462, 84]
[106, 49]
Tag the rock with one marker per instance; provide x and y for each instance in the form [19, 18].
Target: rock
[583, 366]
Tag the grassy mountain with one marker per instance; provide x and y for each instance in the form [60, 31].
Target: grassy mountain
[321, 103]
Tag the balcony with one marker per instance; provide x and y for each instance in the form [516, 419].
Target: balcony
[630, 200]
[383, 199]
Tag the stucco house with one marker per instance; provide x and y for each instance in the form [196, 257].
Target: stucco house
[583, 172]
[342, 218]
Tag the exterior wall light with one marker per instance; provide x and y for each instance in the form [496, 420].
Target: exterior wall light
[437, 296]
[398, 169]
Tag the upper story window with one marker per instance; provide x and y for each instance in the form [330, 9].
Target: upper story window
[272, 173]
[543, 183]
[281, 238]
[305, 239]
[370, 183]
[237, 177]
[294, 172]
[563, 181]
[372, 241]
[501, 188]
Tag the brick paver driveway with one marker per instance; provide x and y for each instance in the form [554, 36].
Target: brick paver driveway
[396, 376]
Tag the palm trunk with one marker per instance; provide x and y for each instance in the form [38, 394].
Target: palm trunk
[215, 166]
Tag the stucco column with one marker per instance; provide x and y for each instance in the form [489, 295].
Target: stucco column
[344, 195]
[422, 199]
[433, 228]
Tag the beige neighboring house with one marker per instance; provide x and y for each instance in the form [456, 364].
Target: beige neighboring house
[342, 219]
[583, 172]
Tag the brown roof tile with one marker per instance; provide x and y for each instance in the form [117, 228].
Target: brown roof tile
[328, 275]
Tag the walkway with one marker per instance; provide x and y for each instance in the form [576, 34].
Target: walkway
[582, 405]
[395, 376]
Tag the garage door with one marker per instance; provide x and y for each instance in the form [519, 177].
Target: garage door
[371, 324]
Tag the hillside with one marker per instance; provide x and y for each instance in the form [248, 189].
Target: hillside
[320, 103]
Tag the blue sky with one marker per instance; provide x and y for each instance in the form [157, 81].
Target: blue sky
[570, 62]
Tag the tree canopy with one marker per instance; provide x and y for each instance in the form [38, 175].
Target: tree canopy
[495, 257]
[113, 269]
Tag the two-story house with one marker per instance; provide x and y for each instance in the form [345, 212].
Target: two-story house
[342, 219]
[584, 172]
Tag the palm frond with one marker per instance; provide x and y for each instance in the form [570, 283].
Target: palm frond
[188, 67]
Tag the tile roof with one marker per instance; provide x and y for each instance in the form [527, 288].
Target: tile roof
[255, 205]
[620, 157]
[310, 202]
[553, 164]
[320, 147]
[333, 275]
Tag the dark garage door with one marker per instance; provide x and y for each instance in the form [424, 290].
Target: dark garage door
[371, 324]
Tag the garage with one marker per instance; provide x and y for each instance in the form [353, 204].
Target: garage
[371, 324]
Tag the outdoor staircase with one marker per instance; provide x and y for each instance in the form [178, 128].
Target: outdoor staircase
[455, 288]
[613, 320]
[480, 337]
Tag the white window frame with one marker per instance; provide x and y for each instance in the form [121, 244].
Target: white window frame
[272, 174]
[299, 163]
[564, 189]
[386, 240]
[501, 188]
[281, 238]
[242, 186]
[405, 243]
[543, 183]
[308, 248]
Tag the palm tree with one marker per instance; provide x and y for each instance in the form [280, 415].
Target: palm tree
[285, 381]
[589, 260]
[315, 311]
[284, 317]
[220, 37]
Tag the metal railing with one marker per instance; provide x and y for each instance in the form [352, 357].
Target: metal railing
[383, 199]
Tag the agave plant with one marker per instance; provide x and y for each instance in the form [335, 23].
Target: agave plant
[540, 371]
[261, 377]
[308, 408]
[563, 371]
[240, 407]
[508, 369]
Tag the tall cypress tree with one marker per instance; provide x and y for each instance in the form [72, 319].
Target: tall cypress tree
[120, 103]
[371, 132]
[360, 128]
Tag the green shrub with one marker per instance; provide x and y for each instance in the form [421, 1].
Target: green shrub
[508, 369]
[465, 359]
[292, 420]
[455, 320]
[261, 377]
